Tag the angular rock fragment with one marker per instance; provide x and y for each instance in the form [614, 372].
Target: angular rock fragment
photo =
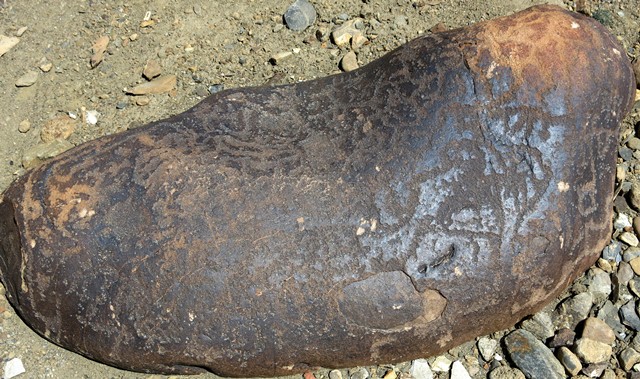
[532, 356]
[98, 49]
[447, 190]
[162, 84]
[7, 43]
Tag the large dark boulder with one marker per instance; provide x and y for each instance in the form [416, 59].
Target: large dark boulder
[444, 191]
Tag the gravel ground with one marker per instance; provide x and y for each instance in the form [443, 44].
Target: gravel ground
[592, 330]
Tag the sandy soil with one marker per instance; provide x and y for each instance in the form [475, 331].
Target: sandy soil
[203, 43]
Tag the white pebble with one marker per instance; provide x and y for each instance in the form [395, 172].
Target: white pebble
[622, 221]
[13, 368]
[92, 117]
[458, 371]
[420, 369]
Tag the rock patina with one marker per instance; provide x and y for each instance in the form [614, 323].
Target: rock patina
[444, 191]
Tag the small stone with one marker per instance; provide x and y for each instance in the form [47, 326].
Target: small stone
[621, 172]
[629, 238]
[629, 316]
[147, 23]
[13, 368]
[636, 225]
[532, 357]
[46, 66]
[604, 265]
[279, 58]
[420, 369]
[458, 371]
[612, 251]
[598, 330]
[563, 337]
[590, 351]
[322, 34]
[39, 153]
[7, 43]
[300, 15]
[569, 360]
[577, 308]
[620, 203]
[349, 62]
[21, 31]
[343, 34]
[201, 91]
[595, 370]
[465, 349]
[359, 373]
[622, 221]
[635, 194]
[635, 265]
[487, 347]
[506, 372]
[441, 364]
[60, 127]
[24, 126]
[624, 273]
[472, 364]
[335, 374]
[390, 375]
[121, 104]
[161, 84]
[91, 117]
[27, 80]
[608, 374]
[133, 37]
[635, 342]
[99, 48]
[142, 101]
[215, 88]
[628, 358]
[631, 253]
[358, 40]
[609, 313]
[634, 286]
[625, 153]
[540, 325]
[151, 69]
[634, 143]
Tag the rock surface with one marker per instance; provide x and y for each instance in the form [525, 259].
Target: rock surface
[533, 222]
[314, 64]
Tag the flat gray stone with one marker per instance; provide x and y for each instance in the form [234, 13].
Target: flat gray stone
[532, 357]
[300, 15]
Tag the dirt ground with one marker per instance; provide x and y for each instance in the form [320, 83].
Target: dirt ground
[205, 44]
